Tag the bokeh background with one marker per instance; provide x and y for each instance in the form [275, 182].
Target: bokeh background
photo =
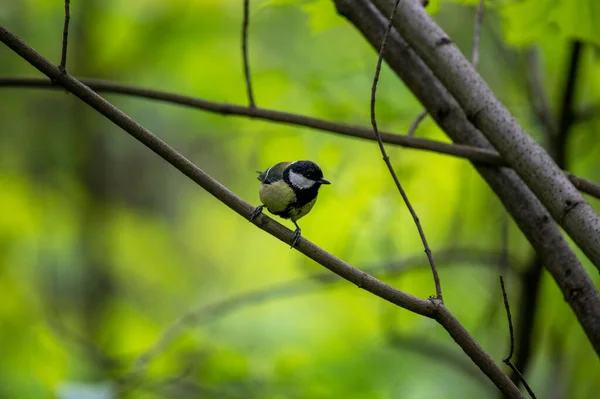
[103, 245]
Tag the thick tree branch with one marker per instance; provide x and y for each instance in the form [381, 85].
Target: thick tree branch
[532, 163]
[530, 215]
[429, 308]
[483, 156]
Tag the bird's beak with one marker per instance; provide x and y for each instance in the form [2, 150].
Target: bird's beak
[323, 180]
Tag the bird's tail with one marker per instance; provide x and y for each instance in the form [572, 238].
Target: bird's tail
[261, 175]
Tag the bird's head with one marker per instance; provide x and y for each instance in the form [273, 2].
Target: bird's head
[304, 175]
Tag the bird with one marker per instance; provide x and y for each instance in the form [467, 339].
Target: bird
[289, 190]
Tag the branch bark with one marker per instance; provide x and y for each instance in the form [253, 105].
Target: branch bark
[429, 308]
[532, 163]
[530, 215]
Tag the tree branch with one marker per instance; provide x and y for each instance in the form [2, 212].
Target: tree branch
[531, 162]
[530, 215]
[483, 156]
[429, 308]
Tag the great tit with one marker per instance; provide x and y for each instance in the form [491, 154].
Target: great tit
[289, 190]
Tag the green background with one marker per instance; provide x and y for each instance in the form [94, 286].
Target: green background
[103, 244]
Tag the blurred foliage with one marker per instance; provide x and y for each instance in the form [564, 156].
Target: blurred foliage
[103, 245]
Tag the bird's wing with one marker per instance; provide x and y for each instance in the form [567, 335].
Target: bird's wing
[274, 173]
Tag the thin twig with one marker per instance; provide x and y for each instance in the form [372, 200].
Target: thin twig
[63, 58]
[474, 154]
[510, 325]
[477, 34]
[245, 53]
[507, 360]
[416, 122]
[386, 158]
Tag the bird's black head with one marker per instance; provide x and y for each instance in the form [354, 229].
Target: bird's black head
[304, 175]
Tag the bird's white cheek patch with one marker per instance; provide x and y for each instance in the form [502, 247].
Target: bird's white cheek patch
[300, 181]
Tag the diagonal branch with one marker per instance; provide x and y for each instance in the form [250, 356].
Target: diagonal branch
[429, 308]
[483, 156]
[531, 162]
[386, 159]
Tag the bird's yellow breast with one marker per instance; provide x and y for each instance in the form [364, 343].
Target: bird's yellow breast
[276, 196]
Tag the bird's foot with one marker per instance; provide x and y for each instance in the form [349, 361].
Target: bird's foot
[257, 211]
[297, 234]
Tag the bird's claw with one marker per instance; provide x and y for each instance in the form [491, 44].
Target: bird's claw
[296, 238]
[257, 211]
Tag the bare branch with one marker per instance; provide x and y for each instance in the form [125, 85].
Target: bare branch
[63, 58]
[386, 158]
[512, 341]
[245, 53]
[475, 154]
[432, 308]
[477, 33]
